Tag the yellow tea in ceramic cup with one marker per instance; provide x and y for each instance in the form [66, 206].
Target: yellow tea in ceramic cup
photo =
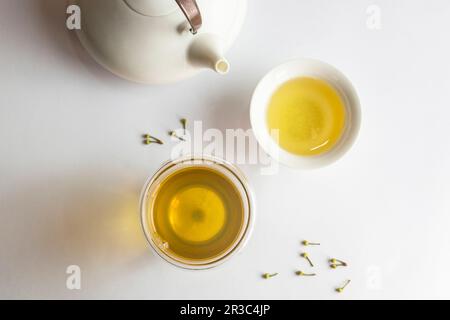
[197, 212]
[305, 114]
[309, 115]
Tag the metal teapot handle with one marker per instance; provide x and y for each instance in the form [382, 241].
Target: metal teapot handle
[192, 13]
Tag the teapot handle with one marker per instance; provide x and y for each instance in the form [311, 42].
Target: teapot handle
[192, 13]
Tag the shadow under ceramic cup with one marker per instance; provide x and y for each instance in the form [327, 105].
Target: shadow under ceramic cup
[297, 69]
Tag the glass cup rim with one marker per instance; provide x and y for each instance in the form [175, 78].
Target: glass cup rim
[247, 197]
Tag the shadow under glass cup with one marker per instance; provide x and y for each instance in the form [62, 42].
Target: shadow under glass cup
[197, 212]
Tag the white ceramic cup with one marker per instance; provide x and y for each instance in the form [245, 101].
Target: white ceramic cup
[295, 69]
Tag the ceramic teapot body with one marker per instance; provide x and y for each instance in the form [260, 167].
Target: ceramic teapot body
[154, 41]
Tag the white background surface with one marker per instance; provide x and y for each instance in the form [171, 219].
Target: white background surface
[72, 164]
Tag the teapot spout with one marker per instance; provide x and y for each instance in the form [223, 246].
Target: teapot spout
[206, 51]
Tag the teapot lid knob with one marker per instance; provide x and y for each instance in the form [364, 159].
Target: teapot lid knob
[192, 12]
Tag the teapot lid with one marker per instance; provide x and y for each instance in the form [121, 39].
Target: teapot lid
[152, 8]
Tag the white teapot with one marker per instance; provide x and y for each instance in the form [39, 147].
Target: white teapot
[160, 41]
